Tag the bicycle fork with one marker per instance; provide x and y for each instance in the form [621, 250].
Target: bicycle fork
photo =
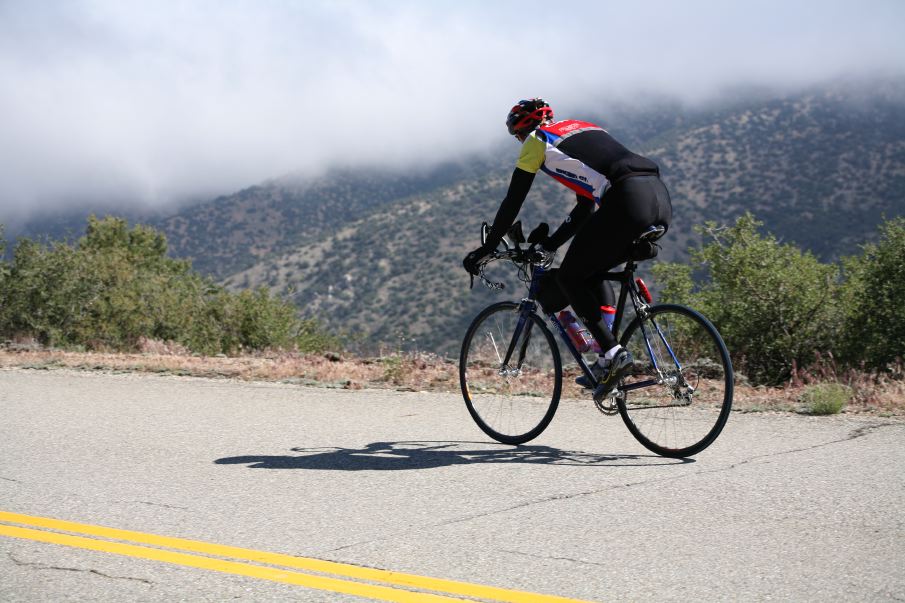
[523, 325]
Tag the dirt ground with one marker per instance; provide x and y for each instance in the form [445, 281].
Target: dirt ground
[406, 372]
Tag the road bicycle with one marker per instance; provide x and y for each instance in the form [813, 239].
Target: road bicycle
[674, 399]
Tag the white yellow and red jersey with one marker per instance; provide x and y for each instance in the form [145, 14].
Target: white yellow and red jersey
[580, 155]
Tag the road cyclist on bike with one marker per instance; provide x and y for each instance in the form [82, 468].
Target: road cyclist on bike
[619, 196]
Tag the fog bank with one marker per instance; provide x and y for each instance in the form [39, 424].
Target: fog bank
[143, 104]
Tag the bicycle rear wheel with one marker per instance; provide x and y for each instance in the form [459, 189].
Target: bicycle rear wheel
[513, 402]
[683, 381]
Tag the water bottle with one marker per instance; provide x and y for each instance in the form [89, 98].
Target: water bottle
[609, 315]
[579, 335]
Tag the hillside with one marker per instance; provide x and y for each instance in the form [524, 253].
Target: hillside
[395, 275]
[234, 232]
[820, 169]
[378, 253]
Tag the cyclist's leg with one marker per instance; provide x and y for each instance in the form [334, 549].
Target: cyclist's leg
[604, 242]
[587, 256]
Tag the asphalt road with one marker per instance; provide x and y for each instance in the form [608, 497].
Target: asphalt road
[780, 507]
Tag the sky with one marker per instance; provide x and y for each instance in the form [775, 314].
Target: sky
[154, 103]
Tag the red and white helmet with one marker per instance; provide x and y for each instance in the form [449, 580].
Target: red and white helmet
[528, 115]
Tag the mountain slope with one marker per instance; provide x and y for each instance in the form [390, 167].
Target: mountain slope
[396, 275]
[820, 169]
[231, 233]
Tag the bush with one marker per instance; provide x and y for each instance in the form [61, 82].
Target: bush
[773, 304]
[393, 371]
[116, 287]
[874, 301]
[825, 398]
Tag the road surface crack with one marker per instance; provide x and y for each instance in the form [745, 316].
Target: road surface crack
[364, 542]
[9, 479]
[557, 498]
[852, 435]
[155, 504]
[43, 566]
[553, 558]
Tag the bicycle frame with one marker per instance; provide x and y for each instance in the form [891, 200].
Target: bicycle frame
[627, 289]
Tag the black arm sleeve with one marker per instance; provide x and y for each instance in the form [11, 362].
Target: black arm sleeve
[509, 208]
[578, 216]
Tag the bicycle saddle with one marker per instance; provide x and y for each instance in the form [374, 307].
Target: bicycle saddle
[644, 247]
[651, 234]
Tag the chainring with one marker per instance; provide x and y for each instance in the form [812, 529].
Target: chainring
[610, 404]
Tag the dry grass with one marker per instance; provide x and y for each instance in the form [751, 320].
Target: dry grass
[410, 372]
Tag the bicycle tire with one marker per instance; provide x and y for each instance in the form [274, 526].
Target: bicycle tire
[695, 399]
[512, 408]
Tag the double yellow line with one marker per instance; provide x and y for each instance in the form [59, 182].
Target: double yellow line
[328, 575]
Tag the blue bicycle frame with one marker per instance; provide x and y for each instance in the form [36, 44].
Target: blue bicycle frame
[529, 305]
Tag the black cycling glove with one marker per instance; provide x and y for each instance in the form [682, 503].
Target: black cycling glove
[541, 236]
[473, 259]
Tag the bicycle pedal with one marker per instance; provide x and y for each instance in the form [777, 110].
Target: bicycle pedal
[601, 394]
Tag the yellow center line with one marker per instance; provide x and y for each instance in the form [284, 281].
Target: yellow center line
[324, 583]
[230, 567]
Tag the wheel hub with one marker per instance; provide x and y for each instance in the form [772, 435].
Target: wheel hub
[506, 371]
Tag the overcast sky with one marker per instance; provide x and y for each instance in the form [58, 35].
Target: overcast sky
[160, 101]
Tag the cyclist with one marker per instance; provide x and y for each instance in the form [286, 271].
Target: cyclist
[625, 190]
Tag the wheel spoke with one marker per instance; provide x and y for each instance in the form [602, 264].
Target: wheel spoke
[495, 347]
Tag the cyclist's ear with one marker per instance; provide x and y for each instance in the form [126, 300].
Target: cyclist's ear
[539, 234]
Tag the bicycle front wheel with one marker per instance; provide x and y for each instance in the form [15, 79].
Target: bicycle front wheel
[677, 396]
[514, 401]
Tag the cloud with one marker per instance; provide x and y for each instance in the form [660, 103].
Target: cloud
[147, 103]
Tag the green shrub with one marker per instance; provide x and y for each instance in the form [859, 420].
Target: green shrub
[393, 368]
[311, 336]
[117, 286]
[773, 304]
[874, 301]
[825, 398]
[254, 320]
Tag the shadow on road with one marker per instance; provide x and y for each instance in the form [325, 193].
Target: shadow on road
[396, 456]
